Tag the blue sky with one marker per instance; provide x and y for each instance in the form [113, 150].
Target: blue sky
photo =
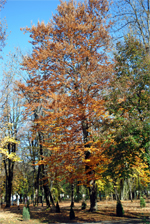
[21, 13]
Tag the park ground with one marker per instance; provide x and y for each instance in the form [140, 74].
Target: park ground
[106, 212]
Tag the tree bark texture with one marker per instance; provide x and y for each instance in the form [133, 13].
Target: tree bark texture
[9, 167]
[72, 195]
[45, 182]
[92, 188]
[93, 197]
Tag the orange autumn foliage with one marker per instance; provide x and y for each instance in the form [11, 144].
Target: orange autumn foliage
[70, 71]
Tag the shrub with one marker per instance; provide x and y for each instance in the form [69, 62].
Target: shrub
[26, 214]
[83, 205]
[142, 202]
[119, 209]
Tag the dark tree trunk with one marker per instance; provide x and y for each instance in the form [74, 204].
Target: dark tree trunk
[130, 190]
[9, 167]
[121, 189]
[78, 191]
[45, 182]
[8, 191]
[92, 188]
[42, 196]
[47, 192]
[21, 198]
[33, 180]
[72, 195]
[93, 196]
[100, 195]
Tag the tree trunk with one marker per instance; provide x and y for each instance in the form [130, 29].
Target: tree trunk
[93, 196]
[130, 189]
[42, 196]
[78, 191]
[125, 190]
[8, 193]
[45, 182]
[72, 195]
[46, 193]
[121, 189]
[36, 197]
[117, 195]
[37, 185]
[100, 196]
[9, 166]
[8, 189]
[92, 188]
[33, 183]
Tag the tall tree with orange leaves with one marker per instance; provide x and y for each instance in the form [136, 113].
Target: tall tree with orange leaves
[70, 72]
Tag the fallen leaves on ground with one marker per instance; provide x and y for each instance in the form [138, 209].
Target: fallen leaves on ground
[106, 212]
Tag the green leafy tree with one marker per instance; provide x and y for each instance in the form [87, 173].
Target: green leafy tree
[128, 104]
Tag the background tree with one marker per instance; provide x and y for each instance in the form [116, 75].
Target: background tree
[2, 179]
[134, 17]
[2, 27]
[11, 122]
[128, 107]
